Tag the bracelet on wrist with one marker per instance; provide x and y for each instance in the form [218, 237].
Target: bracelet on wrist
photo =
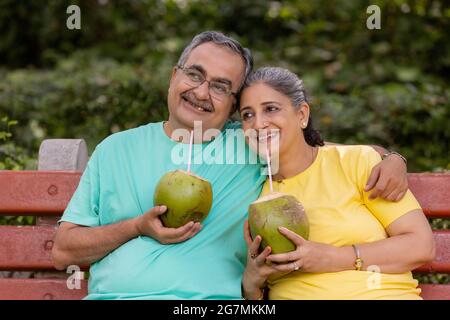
[391, 152]
[261, 297]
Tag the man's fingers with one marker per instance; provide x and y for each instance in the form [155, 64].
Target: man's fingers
[400, 196]
[378, 189]
[174, 233]
[158, 210]
[192, 232]
[392, 196]
[388, 190]
[373, 178]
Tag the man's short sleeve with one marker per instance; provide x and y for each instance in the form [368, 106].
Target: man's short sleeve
[83, 207]
[385, 211]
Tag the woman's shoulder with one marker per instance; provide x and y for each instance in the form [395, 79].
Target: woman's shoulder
[350, 151]
[352, 157]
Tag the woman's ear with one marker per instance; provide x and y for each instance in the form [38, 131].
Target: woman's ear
[303, 114]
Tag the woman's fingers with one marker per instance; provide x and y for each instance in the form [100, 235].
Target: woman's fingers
[261, 258]
[288, 267]
[282, 257]
[253, 249]
[295, 238]
[247, 234]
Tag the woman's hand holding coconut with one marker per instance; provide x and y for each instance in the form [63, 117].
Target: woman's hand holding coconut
[256, 271]
[309, 256]
[149, 224]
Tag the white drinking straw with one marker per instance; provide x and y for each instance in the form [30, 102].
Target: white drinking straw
[191, 140]
[268, 167]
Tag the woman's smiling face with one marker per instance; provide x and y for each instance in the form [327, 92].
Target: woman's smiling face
[263, 107]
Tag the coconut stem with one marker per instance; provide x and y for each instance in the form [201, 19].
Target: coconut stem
[191, 140]
[270, 170]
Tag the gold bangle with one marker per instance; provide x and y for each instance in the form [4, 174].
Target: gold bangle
[358, 261]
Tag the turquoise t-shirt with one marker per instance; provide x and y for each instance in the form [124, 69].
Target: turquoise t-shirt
[118, 184]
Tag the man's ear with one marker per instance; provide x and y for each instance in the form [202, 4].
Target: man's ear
[172, 76]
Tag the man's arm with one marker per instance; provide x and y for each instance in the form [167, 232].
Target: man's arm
[388, 179]
[82, 246]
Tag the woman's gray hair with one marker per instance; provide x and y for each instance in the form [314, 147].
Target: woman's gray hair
[222, 40]
[287, 83]
[281, 80]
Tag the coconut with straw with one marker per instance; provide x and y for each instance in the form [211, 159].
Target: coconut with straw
[187, 196]
[277, 210]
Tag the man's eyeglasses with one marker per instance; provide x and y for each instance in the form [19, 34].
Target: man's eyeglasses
[196, 78]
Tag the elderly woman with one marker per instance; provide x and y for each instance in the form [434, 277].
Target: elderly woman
[358, 248]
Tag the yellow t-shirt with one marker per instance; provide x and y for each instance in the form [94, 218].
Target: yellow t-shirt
[340, 214]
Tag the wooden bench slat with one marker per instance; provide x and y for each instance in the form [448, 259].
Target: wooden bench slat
[56, 289]
[432, 190]
[40, 289]
[49, 192]
[29, 248]
[26, 247]
[435, 291]
[36, 192]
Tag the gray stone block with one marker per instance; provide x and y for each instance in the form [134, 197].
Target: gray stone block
[63, 154]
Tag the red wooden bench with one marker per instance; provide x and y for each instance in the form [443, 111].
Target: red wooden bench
[46, 193]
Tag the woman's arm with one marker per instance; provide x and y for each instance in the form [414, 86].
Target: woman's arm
[410, 245]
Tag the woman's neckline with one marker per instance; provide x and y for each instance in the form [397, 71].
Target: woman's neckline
[311, 167]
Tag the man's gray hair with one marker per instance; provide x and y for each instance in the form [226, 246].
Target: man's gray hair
[222, 40]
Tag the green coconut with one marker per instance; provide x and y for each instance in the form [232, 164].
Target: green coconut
[187, 197]
[277, 210]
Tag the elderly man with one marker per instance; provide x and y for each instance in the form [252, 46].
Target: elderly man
[111, 222]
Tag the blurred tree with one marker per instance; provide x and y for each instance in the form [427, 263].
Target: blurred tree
[387, 86]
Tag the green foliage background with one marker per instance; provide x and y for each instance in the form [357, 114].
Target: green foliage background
[387, 87]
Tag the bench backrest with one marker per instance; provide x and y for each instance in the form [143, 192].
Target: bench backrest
[47, 193]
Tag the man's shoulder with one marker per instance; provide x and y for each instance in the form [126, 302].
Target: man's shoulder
[129, 136]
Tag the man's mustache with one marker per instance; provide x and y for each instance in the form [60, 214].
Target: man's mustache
[190, 96]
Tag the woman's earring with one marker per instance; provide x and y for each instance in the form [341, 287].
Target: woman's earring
[304, 125]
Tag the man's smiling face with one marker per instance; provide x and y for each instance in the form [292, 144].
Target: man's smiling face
[188, 104]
